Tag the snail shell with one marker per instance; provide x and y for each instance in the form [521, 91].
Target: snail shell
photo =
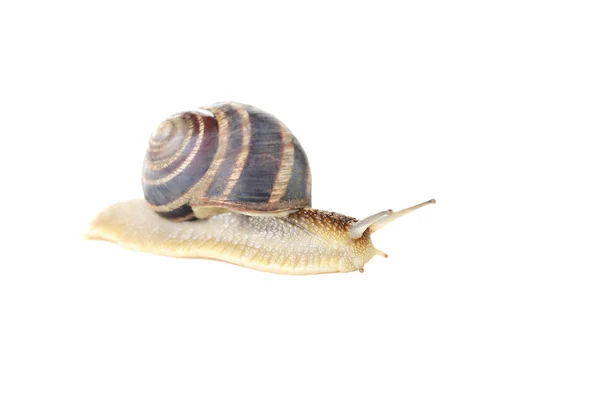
[226, 157]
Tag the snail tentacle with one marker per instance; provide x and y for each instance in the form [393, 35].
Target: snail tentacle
[394, 216]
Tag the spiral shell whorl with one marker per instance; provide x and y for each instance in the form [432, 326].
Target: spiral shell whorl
[239, 158]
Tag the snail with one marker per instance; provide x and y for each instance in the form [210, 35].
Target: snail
[230, 182]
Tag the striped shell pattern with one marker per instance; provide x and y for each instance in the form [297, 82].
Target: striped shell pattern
[226, 156]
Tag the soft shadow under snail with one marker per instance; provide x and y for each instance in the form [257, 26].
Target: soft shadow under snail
[230, 182]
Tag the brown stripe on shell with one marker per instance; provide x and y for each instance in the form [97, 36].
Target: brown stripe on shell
[199, 132]
[199, 190]
[286, 166]
[234, 143]
[153, 175]
[242, 156]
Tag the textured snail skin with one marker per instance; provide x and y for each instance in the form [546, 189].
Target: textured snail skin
[305, 242]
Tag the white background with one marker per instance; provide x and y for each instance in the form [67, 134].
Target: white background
[490, 107]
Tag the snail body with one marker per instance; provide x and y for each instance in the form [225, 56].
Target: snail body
[230, 182]
[305, 242]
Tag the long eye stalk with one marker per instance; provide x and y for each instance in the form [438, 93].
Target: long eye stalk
[380, 223]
